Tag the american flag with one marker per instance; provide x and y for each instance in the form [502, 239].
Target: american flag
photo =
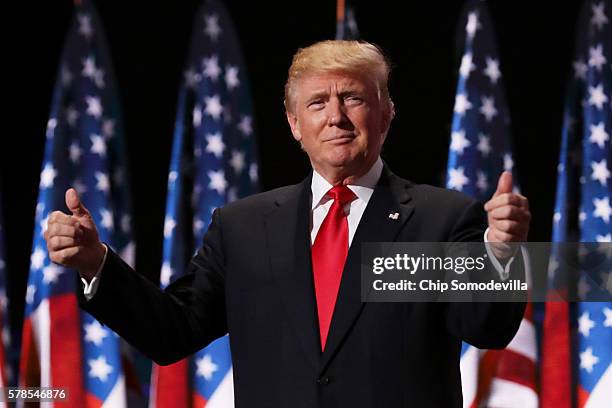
[578, 337]
[213, 162]
[480, 150]
[4, 322]
[63, 346]
[346, 25]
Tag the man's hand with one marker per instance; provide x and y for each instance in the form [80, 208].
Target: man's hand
[72, 240]
[508, 215]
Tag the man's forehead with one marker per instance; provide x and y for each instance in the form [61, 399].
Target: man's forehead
[325, 81]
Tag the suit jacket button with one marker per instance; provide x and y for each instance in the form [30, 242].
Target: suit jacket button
[323, 381]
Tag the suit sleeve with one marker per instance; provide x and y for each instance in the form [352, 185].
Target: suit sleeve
[487, 325]
[166, 325]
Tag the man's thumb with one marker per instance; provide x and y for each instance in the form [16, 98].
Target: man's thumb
[74, 204]
[504, 185]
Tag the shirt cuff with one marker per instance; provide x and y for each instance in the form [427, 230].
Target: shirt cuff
[90, 288]
[504, 271]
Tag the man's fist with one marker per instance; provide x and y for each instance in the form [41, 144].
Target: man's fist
[72, 240]
[508, 215]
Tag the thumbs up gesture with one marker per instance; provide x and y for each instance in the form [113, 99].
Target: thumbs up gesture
[508, 215]
[72, 240]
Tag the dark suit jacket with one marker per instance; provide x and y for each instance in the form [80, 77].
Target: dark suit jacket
[252, 278]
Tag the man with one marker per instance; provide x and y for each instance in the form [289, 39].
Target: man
[280, 270]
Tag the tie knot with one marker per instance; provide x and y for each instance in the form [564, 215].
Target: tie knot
[342, 194]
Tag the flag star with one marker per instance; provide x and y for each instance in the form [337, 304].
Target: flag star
[51, 125]
[51, 273]
[79, 186]
[457, 178]
[602, 208]
[604, 238]
[108, 128]
[580, 69]
[237, 161]
[40, 208]
[217, 181]
[231, 77]
[213, 106]
[99, 78]
[212, 28]
[585, 324]
[484, 145]
[126, 224]
[95, 333]
[253, 173]
[47, 176]
[598, 134]
[99, 368]
[596, 57]
[192, 78]
[472, 24]
[600, 171]
[172, 176]
[98, 145]
[30, 292]
[482, 182]
[37, 259]
[246, 125]
[206, 367]
[597, 97]
[89, 68]
[599, 18]
[72, 115]
[488, 108]
[211, 68]
[94, 107]
[608, 313]
[75, 152]
[232, 194]
[197, 115]
[102, 183]
[107, 219]
[459, 142]
[169, 225]
[215, 145]
[508, 162]
[85, 28]
[166, 274]
[198, 225]
[66, 76]
[492, 70]
[588, 360]
[462, 104]
[467, 65]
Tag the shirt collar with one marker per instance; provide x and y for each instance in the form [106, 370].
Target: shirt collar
[362, 186]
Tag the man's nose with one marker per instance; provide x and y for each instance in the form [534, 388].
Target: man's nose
[335, 112]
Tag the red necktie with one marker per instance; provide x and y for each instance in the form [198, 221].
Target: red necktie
[328, 256]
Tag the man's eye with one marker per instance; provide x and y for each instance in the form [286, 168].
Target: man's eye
[353, 99]
[315, 104]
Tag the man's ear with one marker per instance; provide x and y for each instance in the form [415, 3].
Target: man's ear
[293, 123]
[388, 116]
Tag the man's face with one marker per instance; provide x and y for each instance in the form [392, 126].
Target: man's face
[340, 122]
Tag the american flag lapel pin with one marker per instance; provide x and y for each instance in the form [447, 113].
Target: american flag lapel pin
[394, 215]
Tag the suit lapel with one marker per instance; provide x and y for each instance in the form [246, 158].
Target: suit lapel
[288, 235]
[386, 213]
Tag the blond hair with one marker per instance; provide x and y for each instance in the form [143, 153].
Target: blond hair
[358, 57]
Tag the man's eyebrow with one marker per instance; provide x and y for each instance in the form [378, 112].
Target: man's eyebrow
[317, 95]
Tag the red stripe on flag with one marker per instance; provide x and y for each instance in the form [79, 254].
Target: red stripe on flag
[171, 385]
[66, 357]
[583, 397]
[556, 371]
[198, 400]
[92, 401]
[516, 368]
[29, 367]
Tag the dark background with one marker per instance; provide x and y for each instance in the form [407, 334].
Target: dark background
[148, 43]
